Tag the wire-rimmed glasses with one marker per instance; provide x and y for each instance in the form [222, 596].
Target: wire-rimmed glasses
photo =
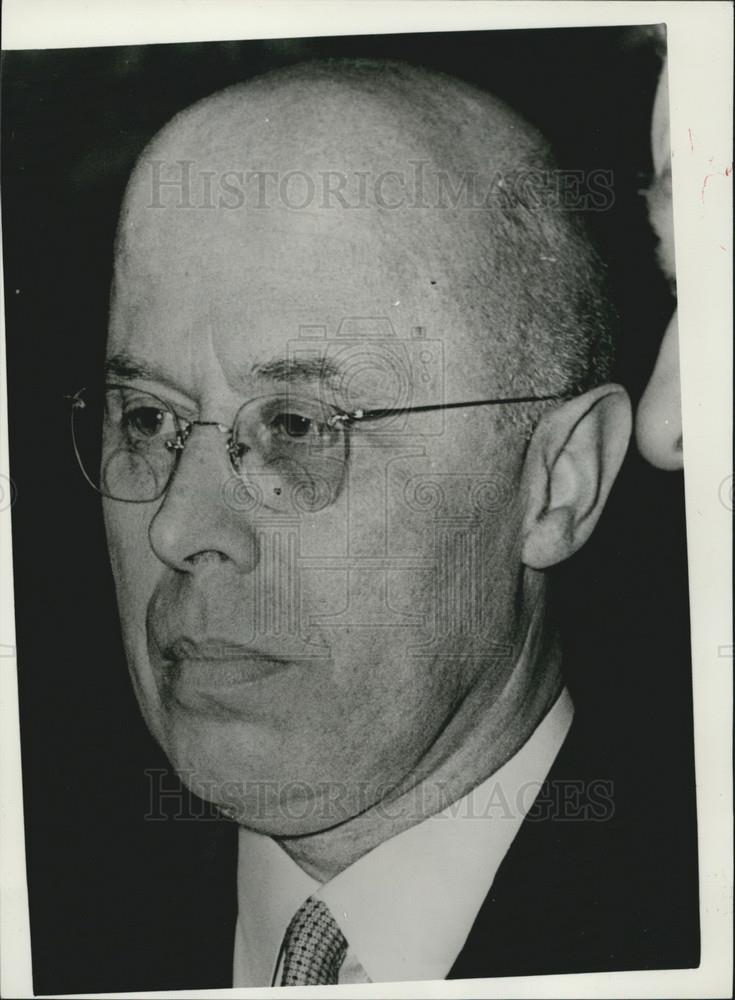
[290, 451]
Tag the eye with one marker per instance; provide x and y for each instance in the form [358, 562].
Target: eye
[145, 421]
[293, 425]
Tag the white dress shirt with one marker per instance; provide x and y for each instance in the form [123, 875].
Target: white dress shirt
[407, 906]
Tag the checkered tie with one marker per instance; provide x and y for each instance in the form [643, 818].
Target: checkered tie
[314, 947]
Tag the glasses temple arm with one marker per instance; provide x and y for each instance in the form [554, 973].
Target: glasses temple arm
[360, 415]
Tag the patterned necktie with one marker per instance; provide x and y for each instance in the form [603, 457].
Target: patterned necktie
[314, 947]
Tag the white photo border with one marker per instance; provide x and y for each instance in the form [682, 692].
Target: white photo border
[699, 40]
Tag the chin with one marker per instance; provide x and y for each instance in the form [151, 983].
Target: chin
[245, 772]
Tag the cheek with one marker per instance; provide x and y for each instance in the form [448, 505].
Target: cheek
[414, 561]
[135, 570]
[134, 566]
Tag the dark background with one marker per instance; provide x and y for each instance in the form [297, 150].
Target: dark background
[73, 123]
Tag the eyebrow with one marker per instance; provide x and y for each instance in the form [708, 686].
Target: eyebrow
[306, 369]
[123, 365]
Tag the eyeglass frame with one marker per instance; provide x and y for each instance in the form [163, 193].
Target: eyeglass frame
[346, 420]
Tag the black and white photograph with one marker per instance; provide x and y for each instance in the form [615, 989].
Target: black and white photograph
[348, 483]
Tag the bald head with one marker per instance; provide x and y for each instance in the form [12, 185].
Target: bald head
[383, 178]
[352, 115]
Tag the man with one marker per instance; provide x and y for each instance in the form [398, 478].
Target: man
[658, 419]
[357, 406]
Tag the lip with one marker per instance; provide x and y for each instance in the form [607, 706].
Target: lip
[197, 672]
[212, 650]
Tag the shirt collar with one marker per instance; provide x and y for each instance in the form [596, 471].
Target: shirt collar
[407, 906]
[270, 889]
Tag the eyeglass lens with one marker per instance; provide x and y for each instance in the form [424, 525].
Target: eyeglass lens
[286, 453]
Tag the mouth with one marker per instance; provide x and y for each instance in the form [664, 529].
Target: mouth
[201, 674]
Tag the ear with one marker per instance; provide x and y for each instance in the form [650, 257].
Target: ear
[571, 464]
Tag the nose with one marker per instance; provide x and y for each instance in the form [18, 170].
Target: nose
[658, 421]
[197, 522]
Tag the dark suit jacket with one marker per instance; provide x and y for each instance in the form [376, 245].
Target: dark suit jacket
[601, 877]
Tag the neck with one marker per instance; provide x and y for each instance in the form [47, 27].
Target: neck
[493, 725]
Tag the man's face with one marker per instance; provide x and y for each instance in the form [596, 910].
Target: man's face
[300, 665]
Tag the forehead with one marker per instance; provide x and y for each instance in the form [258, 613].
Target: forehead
[198, 294]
